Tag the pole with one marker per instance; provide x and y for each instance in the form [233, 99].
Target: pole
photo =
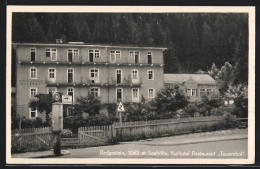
[57, 126]
[57, 145]
[120, 118]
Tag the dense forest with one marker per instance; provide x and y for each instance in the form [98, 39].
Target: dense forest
[194, 40]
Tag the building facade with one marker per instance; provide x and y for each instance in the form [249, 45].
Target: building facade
[194, 85]
[111, 73]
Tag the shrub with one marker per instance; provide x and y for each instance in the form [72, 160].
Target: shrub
[34, 123]
[73, 123]
[66, 133]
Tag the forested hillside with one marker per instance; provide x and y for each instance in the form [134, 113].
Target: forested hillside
[194, 41]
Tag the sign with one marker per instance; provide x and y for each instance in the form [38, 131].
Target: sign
[120, 107]
[66, 99]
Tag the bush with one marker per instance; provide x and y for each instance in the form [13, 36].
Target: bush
[34, 123]
[73, 123]
[66, 133]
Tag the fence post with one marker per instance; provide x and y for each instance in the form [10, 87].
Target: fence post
[113, 133]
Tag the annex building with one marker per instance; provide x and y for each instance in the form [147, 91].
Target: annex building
[194, 85]
[112, 73]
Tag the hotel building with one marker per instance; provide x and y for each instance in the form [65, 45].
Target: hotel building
[109, 72]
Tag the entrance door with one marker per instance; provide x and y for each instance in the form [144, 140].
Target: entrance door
[119, 95]
[91, 57]
[113, 57]
[33, 55]
[118, 76]
[135, 95]
[136, 57]
[70, 75]
[135, 76]
[149, 59]
[70, 56]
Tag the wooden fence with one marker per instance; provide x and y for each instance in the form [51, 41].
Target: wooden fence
[94, 135]
[42, 138]
[31, 139]
[156, 128]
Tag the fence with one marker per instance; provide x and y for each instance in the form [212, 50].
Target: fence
[42, 138]
[94, 135]
[156, 128]
[32, 139]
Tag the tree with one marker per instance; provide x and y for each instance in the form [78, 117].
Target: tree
[169, 100]
[224, 77]
[89, 104]
[239, 94]
[213, 72]
[42, 106]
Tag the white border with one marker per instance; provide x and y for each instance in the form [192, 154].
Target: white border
[138, 9]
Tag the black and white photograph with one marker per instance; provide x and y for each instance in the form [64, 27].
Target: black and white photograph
[130, 85]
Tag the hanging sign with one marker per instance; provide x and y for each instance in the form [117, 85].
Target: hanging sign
[66, 99]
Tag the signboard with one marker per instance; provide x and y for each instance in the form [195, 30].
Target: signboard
[66, 99]
[120, 107]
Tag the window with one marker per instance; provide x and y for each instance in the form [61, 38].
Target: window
[202, 91]
[94, 53]
[119, 94]
[135, 95]
[70, 91]
[94, 91]
[33, 92]
[191, 92]
[73, 52]
[94, 73]
[115, 55]
[32, 113]
[119, 76]
[51, 73]
[149, 57]
[33, 54]
[70, 111]
[33, 73]
[150, 75]
[70, 75]
[131, 55]
[134, 55]
[150, 93]
[51, 52]
[134, 74]
[209, 91]
[50, 90]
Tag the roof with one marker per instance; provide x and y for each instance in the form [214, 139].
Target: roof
[180, 78]
[75, 44]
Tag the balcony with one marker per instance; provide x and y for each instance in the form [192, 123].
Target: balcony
[125, 82]
[71, 83]
[96, 61]
[93, 82]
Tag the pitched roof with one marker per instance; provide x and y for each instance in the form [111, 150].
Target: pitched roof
[180, 78]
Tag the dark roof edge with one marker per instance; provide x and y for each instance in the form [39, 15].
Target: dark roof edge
[89, 45]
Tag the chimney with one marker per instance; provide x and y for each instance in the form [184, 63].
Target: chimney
[59, 40]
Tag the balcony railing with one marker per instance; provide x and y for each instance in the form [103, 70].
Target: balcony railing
[125, 81]
[74, 82]
[93, 82]
[96, 61]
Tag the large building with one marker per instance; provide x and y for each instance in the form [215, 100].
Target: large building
[194, 85]
[110, 72]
